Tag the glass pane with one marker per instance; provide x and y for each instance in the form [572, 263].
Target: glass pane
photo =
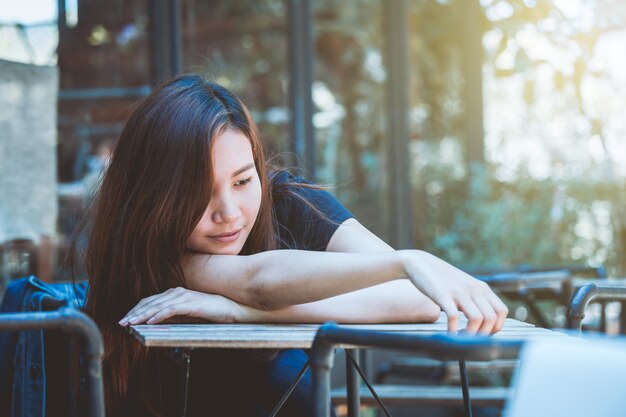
[348, 94]
[551, 188]
[103, 60]
[104, 67]
[243, 46]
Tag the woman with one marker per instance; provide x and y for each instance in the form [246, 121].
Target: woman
[188, 224]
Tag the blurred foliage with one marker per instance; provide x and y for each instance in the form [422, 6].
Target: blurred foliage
[479, 221]
[574, 212]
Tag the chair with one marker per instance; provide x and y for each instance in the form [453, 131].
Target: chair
[39, 324]
[595, 293]
[560, 376]
[439, 347]
[530, 285]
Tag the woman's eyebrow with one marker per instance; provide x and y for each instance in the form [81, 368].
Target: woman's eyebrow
[243, 169]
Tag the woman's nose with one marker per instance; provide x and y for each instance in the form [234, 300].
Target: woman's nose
[226, 210]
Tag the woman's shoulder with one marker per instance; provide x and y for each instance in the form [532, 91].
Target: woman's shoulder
[284, 177]
[307, 214]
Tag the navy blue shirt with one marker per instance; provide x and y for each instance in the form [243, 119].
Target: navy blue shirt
[306, 217]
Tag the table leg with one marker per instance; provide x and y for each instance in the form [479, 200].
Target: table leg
[465, 387]
[361, 373]
[286, 395]
[363, 361]
[352, 384]
[186, 366]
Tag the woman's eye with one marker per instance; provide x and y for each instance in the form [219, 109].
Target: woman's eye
[242, 182]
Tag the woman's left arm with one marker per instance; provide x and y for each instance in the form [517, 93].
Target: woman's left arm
[392, 302]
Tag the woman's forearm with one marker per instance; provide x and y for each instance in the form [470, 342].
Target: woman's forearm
[276, 279]
[393, 302]
[307, 277]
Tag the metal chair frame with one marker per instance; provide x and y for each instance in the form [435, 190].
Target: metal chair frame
[77, 324]
[595, 293]
[440, 347]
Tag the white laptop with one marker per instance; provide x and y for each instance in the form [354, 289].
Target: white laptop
[570, 378]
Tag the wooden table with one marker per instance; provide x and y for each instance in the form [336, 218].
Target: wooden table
[293, 336]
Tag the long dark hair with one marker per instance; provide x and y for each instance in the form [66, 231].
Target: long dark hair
[153, 194]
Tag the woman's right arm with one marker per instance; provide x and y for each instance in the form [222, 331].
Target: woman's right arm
[276, 279]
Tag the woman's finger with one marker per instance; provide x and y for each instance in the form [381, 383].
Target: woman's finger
[473, 314]
[172, 310]
[500, 308]
[136, 315]
[143, 311]
[155, 307]
[164, 310]
[488, 313]
[452, 313]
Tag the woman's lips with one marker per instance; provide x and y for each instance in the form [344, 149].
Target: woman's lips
[227, 238]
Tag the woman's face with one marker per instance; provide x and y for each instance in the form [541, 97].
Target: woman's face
[235, 201]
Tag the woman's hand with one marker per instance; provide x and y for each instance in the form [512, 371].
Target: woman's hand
[454, 290]
[181, 302]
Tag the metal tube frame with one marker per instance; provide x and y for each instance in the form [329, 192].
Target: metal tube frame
[185, 359]
[158, 40]
[175, 41]
[355, 388]
[438, 346]
[301, 58]
[352, 382]
[77, 324]
[287, 393]
[467, 405]
[588, 293]
[472, 61]
[397, 64]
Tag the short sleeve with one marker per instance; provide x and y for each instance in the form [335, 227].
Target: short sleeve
[307, 217]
